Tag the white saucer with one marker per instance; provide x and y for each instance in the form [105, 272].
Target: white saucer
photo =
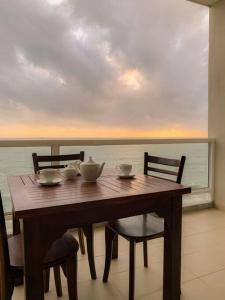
[49, 183]
[122, 176]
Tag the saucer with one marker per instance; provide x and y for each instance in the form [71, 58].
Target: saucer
[123, 176]
[49, 183]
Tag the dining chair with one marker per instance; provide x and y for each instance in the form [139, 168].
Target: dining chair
[143, 227]
[63, 252]
[38, 161]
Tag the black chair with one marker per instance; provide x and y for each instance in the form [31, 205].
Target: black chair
[63, 252]
[37, 159]
[143, 227]
[87, 230]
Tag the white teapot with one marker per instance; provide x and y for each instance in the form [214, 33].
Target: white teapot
[91, 170]
[71, 171]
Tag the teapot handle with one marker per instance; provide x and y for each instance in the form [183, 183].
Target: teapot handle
[77, 165]
[101, 169]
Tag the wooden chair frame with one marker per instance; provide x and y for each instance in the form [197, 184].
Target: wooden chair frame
[112, 230]
[165, 162]
[87, 230]
[37, 159]
[6, 284]
[54, 158]
[9, 273]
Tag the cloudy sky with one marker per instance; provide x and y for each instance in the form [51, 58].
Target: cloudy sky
[103, 68]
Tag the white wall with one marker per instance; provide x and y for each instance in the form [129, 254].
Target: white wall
[217, 96]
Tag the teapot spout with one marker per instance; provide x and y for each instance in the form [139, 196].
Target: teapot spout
[101, 169]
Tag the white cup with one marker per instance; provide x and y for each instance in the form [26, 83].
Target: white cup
[48, 174]
[125, 169]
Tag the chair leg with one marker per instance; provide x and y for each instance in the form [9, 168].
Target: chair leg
[109, 236]
[71, 274]
[115, 247]
[9, 289]
[81, 240]
[64, 266]
[88, 232]
[145, 253]
[58, 284]
[46, 280]
[132, 270]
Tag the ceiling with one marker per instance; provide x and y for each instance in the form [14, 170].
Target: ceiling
[205, 2]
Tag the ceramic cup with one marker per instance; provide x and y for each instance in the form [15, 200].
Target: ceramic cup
[125, 169]
[48, 174]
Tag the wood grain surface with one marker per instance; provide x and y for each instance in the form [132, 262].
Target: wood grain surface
[30, 198]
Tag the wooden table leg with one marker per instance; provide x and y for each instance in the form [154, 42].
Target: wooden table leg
[81, 241]
[33, 255]
[172, 250]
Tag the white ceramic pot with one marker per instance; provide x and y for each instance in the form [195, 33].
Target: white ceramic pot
[91, 170]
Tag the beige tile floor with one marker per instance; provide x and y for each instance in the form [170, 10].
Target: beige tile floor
[203, 265]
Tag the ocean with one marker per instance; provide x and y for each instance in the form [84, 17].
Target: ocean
[14, 161]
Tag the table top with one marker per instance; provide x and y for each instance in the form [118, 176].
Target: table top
[31, 199]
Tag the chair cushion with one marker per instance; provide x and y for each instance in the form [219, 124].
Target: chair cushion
[139, 227]
[61, 248]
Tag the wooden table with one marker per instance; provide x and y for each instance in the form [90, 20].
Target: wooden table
[47, 212]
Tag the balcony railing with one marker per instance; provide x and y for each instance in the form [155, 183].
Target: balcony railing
[15, 158]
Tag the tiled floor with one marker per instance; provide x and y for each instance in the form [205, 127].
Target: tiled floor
[203, 265]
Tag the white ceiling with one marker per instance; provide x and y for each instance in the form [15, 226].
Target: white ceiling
[205, 2]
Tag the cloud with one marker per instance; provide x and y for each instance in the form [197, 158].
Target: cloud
[134, 64]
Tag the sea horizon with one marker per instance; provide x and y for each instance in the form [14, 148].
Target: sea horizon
[18, 160]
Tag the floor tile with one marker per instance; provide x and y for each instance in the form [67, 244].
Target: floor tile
[203, 265]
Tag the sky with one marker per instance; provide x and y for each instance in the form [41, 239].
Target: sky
[103, 68]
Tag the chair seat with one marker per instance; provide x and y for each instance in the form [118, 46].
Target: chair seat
[59, 251]
[139, 227]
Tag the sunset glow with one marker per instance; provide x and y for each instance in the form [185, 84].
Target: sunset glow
[39, 131]
[132, 79]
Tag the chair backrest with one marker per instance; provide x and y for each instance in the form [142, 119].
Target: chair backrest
[54, 158]
[177, 171]
[4, 257]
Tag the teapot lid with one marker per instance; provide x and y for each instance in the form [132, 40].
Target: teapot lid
[90, 161]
